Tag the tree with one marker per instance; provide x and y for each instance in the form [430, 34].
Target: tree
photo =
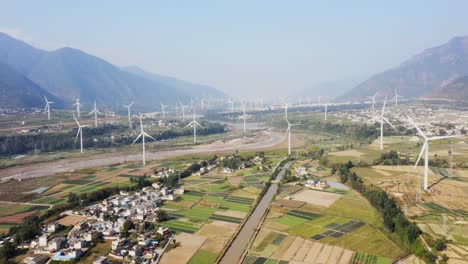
[128, 225]
[440, 245]
[8, 250]
[162, 215]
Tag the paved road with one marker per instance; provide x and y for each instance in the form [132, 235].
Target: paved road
[264, 140]
[241, 242]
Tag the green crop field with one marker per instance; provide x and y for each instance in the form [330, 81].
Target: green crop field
[197, 212]
[290, 221]
[180, 226]
[203, 257]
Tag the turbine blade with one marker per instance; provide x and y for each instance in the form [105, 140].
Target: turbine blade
[421, 153]
[388, 122]
[77, 134]
[139, 136]
[148, 135]
[440, 137]
[189, 124]
[76, 120]
[417, 128]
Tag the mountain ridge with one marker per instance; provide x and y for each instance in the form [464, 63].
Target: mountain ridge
[420, 74]
[68, 73]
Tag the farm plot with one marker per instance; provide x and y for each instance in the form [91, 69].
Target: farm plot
[198, 213]
[316, 197]
[189, 245]
[363, 258]
[226, 218]
[180, 226]
[240, 200]
[290, 249]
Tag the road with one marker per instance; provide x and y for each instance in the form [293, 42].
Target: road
[263, 140]
[241, 242]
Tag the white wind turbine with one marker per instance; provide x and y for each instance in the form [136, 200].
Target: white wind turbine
[182, 106]
[425, 150]
[78, 105]
[396, 97]
[95, 112]
[194, 124]
[163, 110]
[79, 133]
[285, 106]
[289, 135]
[244, 116]
[373, 99]
[382, 119]
[47, 107]
[143, 135]
[129, 114]
[326, 110]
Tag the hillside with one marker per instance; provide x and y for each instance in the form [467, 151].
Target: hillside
[17, 91]
[419, 75]
[192, 89]
[68, 73]
[457, 89]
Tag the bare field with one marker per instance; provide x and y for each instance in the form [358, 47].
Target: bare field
[316, 197]
[189, 244]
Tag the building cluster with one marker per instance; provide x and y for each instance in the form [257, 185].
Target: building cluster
[115, 218]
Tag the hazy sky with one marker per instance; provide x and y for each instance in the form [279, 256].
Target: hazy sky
[242, 47]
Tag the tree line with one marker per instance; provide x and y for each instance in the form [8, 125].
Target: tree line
[102, 137]
[395, 220]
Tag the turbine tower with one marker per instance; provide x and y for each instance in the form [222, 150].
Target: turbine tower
[425, 151]
[326, 110]
[383, 120]
[396, 97]
[47, 107]
[163, 110]
[79, 133]
[194, 124]
[373, 99]
[142, 134]
[289, 135]
[182, 106]
[285, 106]
[78, 105]
[129, 114]
[244, 116]
[95, 112]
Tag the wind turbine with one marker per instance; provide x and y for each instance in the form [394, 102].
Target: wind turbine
[163, 110]
[47, 107]
[383, 120]
[95, 112]
[194, 124]
[289, 135]
[326, 110]
[285, 106]
[396, 97]
[244, 116]
[373, 99]
[425, 150]
[78, 105]
[142, 134]
[79, 133]
[182, 106]
[129, 114]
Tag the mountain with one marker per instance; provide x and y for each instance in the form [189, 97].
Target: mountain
[329, 89]
[17, 91]
[420, 74]
[67, 73]
[456, 89]
[192, 89]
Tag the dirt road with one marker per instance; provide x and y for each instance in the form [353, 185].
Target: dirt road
[263, 140]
